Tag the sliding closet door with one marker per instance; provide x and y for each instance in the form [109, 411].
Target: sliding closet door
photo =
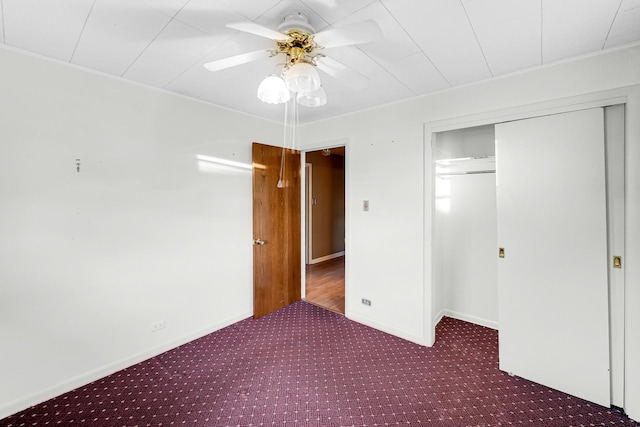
[553, 296]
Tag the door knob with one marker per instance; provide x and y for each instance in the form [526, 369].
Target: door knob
[259, 242]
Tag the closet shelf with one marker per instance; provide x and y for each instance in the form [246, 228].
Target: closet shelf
[465, 166]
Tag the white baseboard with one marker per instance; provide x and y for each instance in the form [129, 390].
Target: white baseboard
[438, 318]
[18, 405]
[326, 257]
[469, 318]
[385, 328]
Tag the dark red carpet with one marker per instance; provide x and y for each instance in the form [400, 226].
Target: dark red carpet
[305, 366]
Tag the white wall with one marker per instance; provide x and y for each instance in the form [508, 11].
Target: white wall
[390, 246]
[384, 262]
[145, 232]
[465, 249]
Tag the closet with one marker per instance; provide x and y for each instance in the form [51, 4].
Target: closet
[528, 216]
[465, 223]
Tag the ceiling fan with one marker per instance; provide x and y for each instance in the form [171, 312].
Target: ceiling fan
[303, 51]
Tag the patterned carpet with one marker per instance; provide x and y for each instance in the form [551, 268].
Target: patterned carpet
[305, 366]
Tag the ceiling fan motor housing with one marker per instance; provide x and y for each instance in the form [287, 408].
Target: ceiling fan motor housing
[296, 21]
[298, 47]
[300, 44]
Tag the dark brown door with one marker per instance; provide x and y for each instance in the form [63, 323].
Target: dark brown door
[276, 228]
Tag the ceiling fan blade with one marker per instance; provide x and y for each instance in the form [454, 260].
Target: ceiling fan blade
[341, 72]
[360, 32]
[232, 61]
[258, 30]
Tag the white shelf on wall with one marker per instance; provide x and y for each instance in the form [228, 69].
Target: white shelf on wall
[465, 166]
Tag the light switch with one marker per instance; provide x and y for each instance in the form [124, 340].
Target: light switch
[365, 205]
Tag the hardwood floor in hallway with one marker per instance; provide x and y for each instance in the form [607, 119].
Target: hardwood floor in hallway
[325, 284]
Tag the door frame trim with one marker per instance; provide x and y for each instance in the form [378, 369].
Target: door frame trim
[341, 142]
[308, 200]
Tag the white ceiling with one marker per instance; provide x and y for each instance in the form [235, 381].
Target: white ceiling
[428, 45]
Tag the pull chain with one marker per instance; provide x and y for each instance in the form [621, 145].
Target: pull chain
[284, 143]
[290, 122]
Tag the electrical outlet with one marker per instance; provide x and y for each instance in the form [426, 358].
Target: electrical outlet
[156, 326]
[366, 302]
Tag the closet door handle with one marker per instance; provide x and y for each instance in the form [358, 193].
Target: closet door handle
[617, 261]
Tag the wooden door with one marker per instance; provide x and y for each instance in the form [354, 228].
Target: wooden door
[276, 228]
[553, 297]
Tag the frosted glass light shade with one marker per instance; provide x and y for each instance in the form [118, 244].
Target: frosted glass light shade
[302, 78]
[273, 90]
[317, 98]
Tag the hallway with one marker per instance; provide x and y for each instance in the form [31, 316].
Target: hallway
[325, 284]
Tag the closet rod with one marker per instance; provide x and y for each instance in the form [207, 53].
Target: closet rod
[465, 173]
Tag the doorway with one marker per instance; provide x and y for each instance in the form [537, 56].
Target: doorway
[325, 228]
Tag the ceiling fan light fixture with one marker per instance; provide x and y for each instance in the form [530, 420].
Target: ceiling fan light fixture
[273, 90]
[302, 77]
[316, 98]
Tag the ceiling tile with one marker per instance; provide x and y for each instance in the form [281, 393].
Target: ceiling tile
[250, 9]
[626, 27]
[333, 11]
[47, 28]
[167, 7]
[397, 53]
[340, 100]
[486, 14]
[136, 20]
[442, 31]
[115, 34]
[209, 17]
[512, 45]
[509, 32]
[460, 71]
[197, 80]
[198, 29]
[275, 16]
[417, 73]
[383, 86]
[395, 44]
[575, 27]
[629, 5]
[177, 48]
[107, 54]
